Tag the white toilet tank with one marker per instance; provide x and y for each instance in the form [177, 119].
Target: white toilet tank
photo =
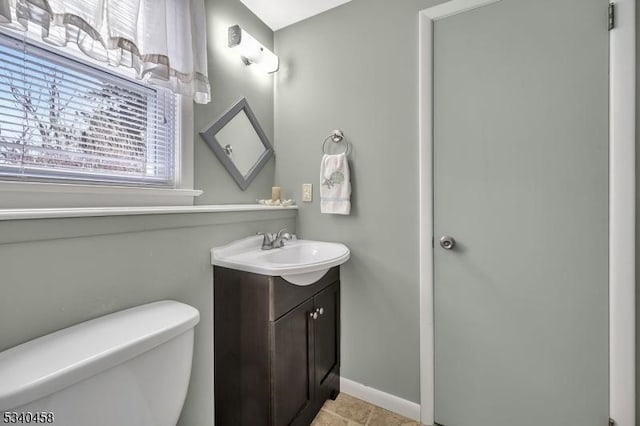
[129, 368]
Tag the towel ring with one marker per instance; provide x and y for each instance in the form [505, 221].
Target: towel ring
[336, 136]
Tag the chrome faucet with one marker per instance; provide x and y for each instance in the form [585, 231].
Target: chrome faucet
[275, 240]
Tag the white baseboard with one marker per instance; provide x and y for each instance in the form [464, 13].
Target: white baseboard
[381, 399]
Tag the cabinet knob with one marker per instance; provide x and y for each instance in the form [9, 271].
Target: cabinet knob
[313, 315]
[320, 311]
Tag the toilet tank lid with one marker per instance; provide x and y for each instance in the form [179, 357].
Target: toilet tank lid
[53, 362]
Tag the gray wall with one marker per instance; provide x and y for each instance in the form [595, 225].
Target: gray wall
[637, 223]
[230, 80]
[59, 272]
[56, 273]
[355, 68]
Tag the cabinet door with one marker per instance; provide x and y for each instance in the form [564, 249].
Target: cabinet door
[292, 361]
[327, 336]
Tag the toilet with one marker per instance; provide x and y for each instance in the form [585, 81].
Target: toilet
[129, 368]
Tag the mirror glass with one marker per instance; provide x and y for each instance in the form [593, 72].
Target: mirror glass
[239, 143]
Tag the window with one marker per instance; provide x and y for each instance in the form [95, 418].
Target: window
[62, 120]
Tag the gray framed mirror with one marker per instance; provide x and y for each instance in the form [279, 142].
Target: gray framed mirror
[239, 143]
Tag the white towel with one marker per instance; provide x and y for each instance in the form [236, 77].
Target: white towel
[335, 186]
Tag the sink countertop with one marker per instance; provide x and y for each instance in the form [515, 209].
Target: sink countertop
[298, 261]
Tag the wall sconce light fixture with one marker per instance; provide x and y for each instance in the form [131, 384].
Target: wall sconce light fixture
[251, 51]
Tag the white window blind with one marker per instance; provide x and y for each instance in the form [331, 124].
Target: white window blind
[63, 120]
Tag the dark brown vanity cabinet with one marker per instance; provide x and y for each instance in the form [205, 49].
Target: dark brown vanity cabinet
[276, 348]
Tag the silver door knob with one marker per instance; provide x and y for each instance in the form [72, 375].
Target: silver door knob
[320, 311]
[313, 315]
[447, 242]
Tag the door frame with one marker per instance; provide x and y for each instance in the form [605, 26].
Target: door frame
[622, 208]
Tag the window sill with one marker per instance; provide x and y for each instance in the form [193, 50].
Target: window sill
[37, 195]
[52, 213]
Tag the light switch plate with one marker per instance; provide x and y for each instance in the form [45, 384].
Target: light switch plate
[307, 192]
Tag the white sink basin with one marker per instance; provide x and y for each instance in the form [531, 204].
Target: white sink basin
[301, 262]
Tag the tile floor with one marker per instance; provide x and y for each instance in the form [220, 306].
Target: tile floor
[349, 411]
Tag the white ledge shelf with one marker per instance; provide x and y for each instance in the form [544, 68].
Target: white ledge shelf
[41, 213]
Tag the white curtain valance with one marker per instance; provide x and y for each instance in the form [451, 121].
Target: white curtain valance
[164, 41]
